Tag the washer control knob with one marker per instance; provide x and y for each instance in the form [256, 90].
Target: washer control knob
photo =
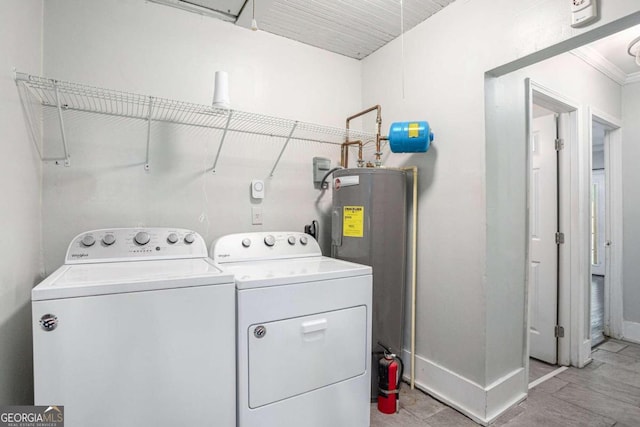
[142, 238]
[88, 240]
[304, 240]
[291, 240]
[269, 240]
[109, 239]
[246, 242]
[172, 238]
[189, 238]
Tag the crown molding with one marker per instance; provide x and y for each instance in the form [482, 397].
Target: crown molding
[600, 63]
[633, 78]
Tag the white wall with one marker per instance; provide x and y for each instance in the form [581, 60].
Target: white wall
[20, 259]
[631, 204]
[472, 209]
[156, 50]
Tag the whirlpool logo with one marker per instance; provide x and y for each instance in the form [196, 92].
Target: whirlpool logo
[31, 416]
[80, 255]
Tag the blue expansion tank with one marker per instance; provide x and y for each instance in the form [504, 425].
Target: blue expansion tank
[410, 137]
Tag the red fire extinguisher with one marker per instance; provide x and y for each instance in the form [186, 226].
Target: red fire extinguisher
[389, 376]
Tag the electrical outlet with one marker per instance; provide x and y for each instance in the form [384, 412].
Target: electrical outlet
[256, 215]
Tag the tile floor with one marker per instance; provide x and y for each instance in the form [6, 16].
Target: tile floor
[605, 393]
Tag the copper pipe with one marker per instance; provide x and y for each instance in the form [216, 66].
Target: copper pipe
[362, 113]
[378, 154]
[344, 152]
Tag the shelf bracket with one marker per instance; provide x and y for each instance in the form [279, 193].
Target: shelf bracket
[62, 133]
[224, 135]
[146, 163]
[284, 147]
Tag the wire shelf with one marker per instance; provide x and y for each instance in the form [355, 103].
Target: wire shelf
[64, 95]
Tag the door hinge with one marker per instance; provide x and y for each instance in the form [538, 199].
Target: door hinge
[559, 144]
[559, 238]
[559, 331]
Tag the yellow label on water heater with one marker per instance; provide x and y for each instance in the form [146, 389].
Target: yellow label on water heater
[414, 130]
[353, 221]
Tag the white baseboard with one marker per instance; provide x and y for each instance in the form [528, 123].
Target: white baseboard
[481, 404]
[631, 331]
[505, 393]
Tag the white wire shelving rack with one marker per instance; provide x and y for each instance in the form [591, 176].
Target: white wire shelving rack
[64, 96]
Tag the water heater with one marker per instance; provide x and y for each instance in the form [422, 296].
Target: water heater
[369, 227]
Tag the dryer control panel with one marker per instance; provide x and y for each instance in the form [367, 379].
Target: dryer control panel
[135, 244]
[264, 246]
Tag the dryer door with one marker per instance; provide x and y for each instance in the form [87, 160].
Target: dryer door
[295, 356]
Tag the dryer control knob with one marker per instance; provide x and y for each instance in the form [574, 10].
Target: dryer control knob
[109, 239]
[246, 242]
[88, 240]
[172, 238]
[269, 240]
[304, 240]
[189, 238]
[142, 238]
[291, 240]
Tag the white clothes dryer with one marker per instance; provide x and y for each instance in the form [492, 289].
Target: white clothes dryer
[136, 329]
[303, 332]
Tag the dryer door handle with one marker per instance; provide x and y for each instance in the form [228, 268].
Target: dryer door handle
[314, 326]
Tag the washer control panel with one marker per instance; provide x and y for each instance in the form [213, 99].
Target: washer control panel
[135, 244]
[264, 245]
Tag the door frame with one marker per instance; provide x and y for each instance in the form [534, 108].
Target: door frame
[572, 204]
[613, 321]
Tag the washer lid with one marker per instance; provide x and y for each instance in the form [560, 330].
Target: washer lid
[259, 274]
[134, 276]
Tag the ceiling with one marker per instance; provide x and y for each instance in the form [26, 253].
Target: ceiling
[354, 28]
[614, 48]
[610, 56]
[357, 28]
[351, 28]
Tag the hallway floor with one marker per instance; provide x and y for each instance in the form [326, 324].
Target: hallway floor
[597, 310]
[605, 393]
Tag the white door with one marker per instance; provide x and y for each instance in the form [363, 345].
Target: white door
[597, 222]
[543, 277]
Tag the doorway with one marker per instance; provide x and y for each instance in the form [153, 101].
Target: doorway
[553, 122]
[598, 232]
[543, 220]
[606, 231]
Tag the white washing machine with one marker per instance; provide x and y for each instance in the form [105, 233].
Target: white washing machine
[304, 332]
[137, 329]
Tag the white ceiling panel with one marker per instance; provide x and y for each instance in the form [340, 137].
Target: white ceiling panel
[354, 28]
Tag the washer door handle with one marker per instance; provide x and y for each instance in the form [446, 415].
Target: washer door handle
[314, 326]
